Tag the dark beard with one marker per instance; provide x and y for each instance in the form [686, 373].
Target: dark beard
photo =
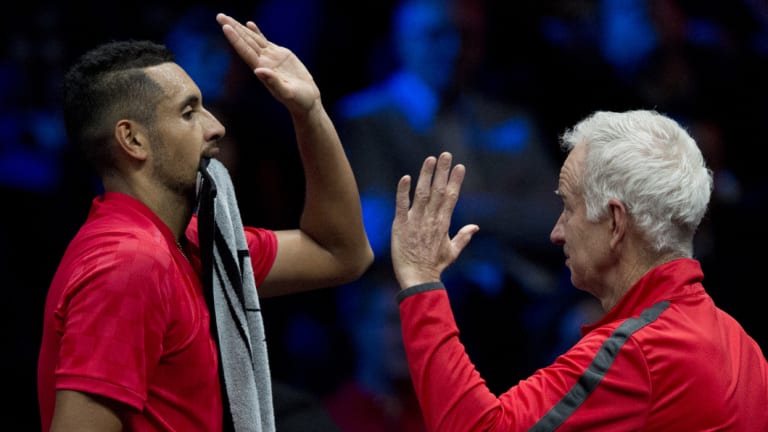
[181, 187]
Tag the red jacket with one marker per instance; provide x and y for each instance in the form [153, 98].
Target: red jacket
[664, 358]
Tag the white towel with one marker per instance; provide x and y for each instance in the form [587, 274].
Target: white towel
[230, 290]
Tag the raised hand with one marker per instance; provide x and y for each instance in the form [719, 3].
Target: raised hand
[421, 246]
[277, 67]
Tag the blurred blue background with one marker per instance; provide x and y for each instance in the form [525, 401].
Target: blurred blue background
[703, 62]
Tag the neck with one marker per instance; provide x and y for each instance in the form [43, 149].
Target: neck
[173, 208]
[632, 271]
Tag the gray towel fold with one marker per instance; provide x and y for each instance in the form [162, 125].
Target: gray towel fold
[230, 290]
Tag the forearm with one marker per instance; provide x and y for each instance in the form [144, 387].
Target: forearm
[452, 394]
[78, 411]
[332, 214]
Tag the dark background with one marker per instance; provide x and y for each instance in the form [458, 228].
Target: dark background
[704, 62]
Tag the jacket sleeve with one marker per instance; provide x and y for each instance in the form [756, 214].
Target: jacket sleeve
[454, 397]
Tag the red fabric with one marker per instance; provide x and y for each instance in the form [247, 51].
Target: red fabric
[125, 318]
[693, 368]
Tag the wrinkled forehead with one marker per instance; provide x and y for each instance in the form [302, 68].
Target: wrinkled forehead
[572, 169]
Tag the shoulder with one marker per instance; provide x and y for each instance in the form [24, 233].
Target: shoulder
[121, 228]
[113, 259]
[129, 244]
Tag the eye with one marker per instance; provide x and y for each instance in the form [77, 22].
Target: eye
[560, 197]
[188, 114]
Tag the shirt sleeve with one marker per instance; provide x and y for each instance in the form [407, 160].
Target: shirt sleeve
[452, 394]
[455, 398]
[262, 247]
[112, 319]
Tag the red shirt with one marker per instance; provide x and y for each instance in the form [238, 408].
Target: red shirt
[664, 358]
[125, 318]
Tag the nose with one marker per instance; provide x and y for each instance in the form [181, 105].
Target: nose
[556, 236]
[214, 130]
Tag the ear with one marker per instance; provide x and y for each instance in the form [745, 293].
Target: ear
[132, 139]
[619, 219]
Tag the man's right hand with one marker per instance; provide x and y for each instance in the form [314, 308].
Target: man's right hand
[421, 246]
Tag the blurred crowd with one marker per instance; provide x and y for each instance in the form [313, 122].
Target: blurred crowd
[495, 82]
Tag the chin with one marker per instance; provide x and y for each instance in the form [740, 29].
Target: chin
[574, 279]
[211, 152]
[578, 283]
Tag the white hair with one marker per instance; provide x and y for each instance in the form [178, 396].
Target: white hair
[650, 163]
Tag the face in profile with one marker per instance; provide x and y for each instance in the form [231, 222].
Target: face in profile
[183, 132]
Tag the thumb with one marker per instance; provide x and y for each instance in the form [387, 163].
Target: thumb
[463, 237]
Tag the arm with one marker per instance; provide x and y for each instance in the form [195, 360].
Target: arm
[77, 411]
[442, 374]
[454, 397]
[330, 247]
[452, 394]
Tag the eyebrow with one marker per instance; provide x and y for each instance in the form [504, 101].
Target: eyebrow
[189, 100]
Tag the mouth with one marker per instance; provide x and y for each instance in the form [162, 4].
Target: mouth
[211, 151]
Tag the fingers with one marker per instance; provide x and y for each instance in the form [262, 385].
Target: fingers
[247, 40]
[421, 195]
[438, 185]
[437, 188]
[462, 238]
[441, 172]
[250, 31]
[253, 27]
[453, 187]
[446, 184]
[402, 200]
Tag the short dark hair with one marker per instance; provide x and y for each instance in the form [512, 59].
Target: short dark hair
[105, 84]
